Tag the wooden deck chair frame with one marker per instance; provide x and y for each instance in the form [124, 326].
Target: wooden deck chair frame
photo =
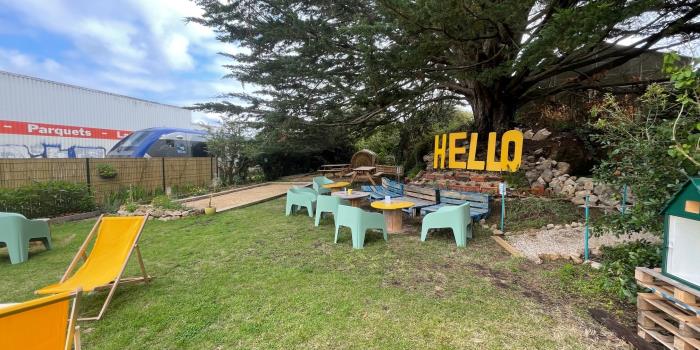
[73, 330]
[120, 279]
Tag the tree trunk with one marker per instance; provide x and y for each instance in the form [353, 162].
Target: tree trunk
[493, 111]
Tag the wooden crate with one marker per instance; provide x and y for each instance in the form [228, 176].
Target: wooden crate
[670, 313]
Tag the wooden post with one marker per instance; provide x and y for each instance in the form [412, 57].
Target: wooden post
[162, 171]
[87, 173]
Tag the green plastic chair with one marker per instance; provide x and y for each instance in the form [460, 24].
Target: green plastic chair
[318, 183]
[16, 231]
[359, 221]
[301, 197]
[328, 204]
[455, 217]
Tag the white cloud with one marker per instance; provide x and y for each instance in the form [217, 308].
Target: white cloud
[144, 49]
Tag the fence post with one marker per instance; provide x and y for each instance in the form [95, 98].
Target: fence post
[87, 173]
[162, 171]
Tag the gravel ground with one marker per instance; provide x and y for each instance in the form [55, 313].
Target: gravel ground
[565, 241]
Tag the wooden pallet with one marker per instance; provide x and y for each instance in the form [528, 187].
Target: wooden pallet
[661, 320]
[680, 294]
[670, 313]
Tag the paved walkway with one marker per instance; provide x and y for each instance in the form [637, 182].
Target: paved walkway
[243, 197]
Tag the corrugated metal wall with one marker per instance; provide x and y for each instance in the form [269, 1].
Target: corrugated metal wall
[27, 99]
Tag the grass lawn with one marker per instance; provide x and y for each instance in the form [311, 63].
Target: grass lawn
[255, 279]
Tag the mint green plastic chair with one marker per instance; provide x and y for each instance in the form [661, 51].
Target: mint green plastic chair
[318, 183]
[328, 204]
[457, 218]
[301, 197]
[359, 221]
[16, 231]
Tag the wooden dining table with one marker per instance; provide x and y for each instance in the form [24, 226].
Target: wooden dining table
[363, 172]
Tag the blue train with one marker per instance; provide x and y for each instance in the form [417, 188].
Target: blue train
[162, 142]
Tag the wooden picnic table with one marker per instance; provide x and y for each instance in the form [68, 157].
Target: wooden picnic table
[334, 169]
[363, 172]
[393, 216]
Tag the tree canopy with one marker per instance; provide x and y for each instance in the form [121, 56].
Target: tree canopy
[362, 63]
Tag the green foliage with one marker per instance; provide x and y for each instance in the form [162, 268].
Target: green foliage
[516, 179]
[233, 149]
[165, 202]
[643, 152]
[47, 199]
[131, 206]
[384, 141]
[534, 212]
[411, 174]
[188, 190]
[357, 64]
[620, 261]
[106, 171]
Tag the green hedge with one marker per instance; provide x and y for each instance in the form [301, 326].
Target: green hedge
[47, 199]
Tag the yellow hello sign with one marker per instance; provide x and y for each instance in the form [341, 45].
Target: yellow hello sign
[505, 162]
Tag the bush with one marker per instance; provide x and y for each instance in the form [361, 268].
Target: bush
[106, 171]
[620, 261]
[164, 202]
[653, 148]
[47, 199]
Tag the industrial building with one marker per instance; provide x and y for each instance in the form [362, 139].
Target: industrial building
[45, 119]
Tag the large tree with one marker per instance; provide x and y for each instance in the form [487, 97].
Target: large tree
[365, 62]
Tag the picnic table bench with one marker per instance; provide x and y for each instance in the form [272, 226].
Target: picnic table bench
[479, 203]
[335, 169]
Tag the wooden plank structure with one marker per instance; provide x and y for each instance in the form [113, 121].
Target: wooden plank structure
[670, 313]
[388, 187]
[389, 170]
[336, 170]
[479, 203]
[149, 174]
[420, 196]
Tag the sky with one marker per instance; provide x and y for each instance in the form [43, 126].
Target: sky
[138, 48]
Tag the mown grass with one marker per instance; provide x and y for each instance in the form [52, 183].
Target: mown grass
[255, 279]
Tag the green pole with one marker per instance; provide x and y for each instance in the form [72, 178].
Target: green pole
[503, 209]
[623, 205]
[585, 235]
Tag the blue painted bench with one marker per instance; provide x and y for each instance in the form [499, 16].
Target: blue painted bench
[421, 196]
[388, 187]
[479, 203]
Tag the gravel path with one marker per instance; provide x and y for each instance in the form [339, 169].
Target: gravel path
[565, 242]
[244, 197]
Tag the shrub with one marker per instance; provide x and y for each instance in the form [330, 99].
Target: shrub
[47, 199]
[164, 202]
[642, 153]
[620, 261]
[106, 171]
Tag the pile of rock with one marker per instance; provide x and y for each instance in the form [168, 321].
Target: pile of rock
[552, 177]
[159, 213]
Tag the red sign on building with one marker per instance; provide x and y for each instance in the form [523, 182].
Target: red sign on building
[56, 130]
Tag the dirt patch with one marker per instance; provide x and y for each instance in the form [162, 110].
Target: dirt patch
[622, 332]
